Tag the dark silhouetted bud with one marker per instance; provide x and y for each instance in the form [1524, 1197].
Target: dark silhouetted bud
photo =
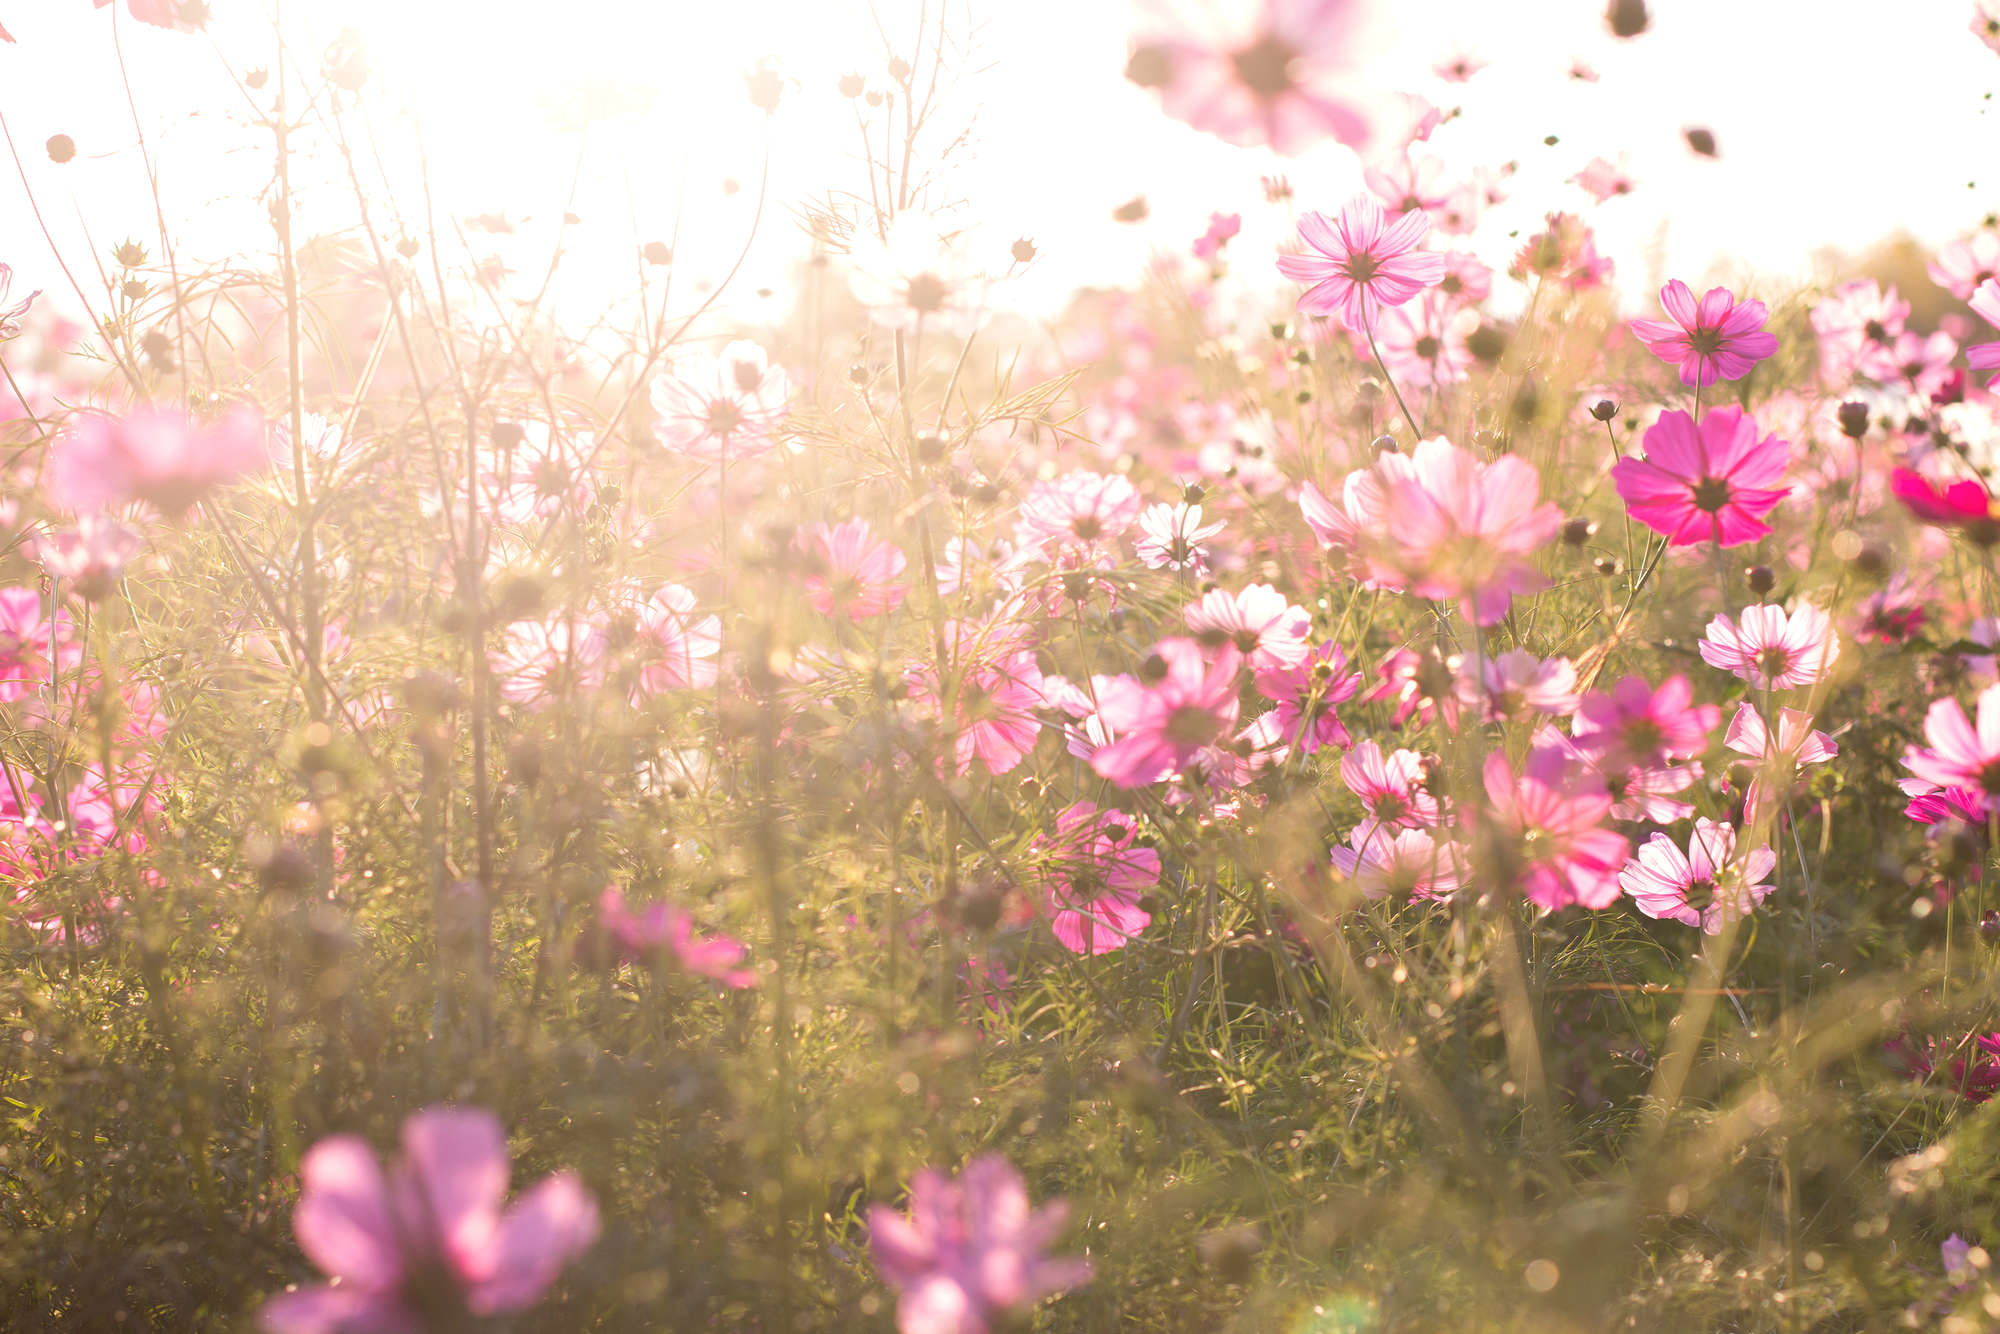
[1702, 141]
[851, 85]
[1578, 531]
[1023, 250]
[1627, 18]
[1231, 1252]
[1604, 409]
[347, 62]
[407, 247]
[986, 493]
[282, 868]
[1193, 492]
[1488, 343]
[1853, 420]
[1606, 566]
[1871, 561]
[1153, 670]
[1383, 444]
[658, 253]
[1989, 926]
[1761, 578]
[61, 148]
[257, 78]
[130, 255]
[1150, 67]
[1132, 210]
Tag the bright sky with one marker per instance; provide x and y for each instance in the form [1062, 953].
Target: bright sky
[1839, 121]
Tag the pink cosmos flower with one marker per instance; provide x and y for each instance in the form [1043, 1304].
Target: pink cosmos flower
[1265, 72]
[1306, 693]
[1550, 813]
[1961, 267]
[1171, 537]
[1222, 229]
[1770, 650]
[1452, 527]
[917, 274]
[1180, 703]
[1719, 339]
[1409, 183]
[159, 13]
[1517, 683]
[89, 558]
[1961, 755]
[1963, 504]
[677, 646]
[1424, 344]
[426, 1243]
[155, 454]
[971, 1251]
[726, 407]
[1081, 508]
[1857, 327]
[1715, 481]
[1266, 628]
[1466, 279]
[1362, 262]
[1092, 878]
[1392, 786]
[661, 927]
[1635, 726]
[24, 642]
[1778, 757]
[13, 317]
[1602, 180]
[1986, 304]
[997, 723]
[540, 662]
[857, 572]
[1663, 882]
[1565, 252]
[1458, 68]
[1985, 23]
[1386, 862]
[1421, 684]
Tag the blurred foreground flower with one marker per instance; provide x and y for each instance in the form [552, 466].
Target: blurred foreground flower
[158, 455]
[11, 317]
[426, 1244]
[971, 1249]
[661, 927]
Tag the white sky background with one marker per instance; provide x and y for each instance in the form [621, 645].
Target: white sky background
[1840, 121]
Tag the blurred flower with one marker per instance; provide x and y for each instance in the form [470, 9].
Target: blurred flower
[1363, 262]
[1960, 755]
[1222, 228]
[1719, 339]
[1664, 882]
[1092, 877]
[1386, 862]
[726, 407]
[914, 276]
[426, 1241]
[661, 927]
[1715, 481]
[1635, 726]
[970, 1251]
[1602, 179]
[1306, 693]
[1770, 650]
[12, 317]
[1264, 72]
[677, 646]
[1080, 507]
[1778, 757]
[1159, 724]
[155, 454]
[89, 557]
[856, 572]
[1458, 68]
[1549, 813]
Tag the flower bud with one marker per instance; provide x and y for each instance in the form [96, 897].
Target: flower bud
[1702, 141]
[1023, 251]
[1150, 67]
[61, 148]
[1627, 18]
[1853, 419]
[1761, 578]
[1578, 531]
[851, 85]
[765, 86]
[1604, 409]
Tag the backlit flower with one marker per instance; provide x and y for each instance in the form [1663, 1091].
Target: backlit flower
[1719, 338]
[1361, 262]
[1705, 886]
[1771, 650]
[1712, 482]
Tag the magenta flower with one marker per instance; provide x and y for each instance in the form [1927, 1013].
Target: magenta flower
[1386, 862]
[1180, 704]
[1719, 339]
[997, 722]
[1266, 628]
[971, 1251]
[1222, 229]
[857, 572]
[1363, 262]
[24, 642]
[662, 927]
[1770, 650]
[1960, 754]
[1705, 886]
[713, 408]
[1093, 877]
[1266, 72]
[1964, 504]
[158, 455]
[1858, 326]
[1550, 813]
[1715, 481]
[426, 1242]
[1392, 786]
[1517, 683]
[1306, 695]
[1635, 726]
[1603, 180]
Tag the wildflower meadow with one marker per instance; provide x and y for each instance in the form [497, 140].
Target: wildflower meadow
[1373, 766]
